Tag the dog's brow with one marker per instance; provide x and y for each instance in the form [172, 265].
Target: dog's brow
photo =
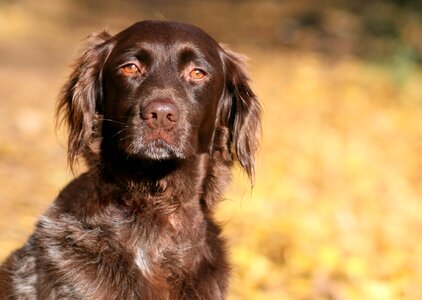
[188, 52]
[151, 46]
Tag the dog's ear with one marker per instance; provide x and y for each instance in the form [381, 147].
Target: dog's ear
[79, 101]
[239, 111]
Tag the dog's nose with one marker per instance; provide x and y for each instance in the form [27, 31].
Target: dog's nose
[160, 114]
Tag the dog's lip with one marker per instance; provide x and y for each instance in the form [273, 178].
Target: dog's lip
[160, 135]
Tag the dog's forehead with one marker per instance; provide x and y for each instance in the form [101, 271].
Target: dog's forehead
[165, 33]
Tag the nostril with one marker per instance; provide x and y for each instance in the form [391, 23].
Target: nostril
[160, 114]
[172, 117]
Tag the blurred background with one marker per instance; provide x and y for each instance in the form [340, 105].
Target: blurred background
[336, 211]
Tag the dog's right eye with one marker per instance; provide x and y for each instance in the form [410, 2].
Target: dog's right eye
[130, 69]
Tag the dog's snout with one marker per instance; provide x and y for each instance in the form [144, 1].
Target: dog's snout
[160, 114]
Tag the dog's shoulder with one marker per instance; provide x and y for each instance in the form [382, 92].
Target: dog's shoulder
[82, 187]
[77, 197]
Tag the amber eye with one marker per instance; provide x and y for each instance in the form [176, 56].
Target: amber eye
[197, 74]
[130, 69]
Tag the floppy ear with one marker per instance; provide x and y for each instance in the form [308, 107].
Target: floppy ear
[78, 103]
[240, 111]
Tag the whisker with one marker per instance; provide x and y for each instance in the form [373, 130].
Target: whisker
[119, 132]
[113, 121]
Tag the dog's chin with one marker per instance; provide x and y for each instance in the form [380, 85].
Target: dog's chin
[155, 150]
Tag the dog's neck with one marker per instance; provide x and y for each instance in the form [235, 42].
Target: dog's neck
[137, 170]
[189, 179]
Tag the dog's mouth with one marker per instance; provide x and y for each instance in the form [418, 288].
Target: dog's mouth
[160, 136]
[160, 150]
[159, 145]
[155, 144]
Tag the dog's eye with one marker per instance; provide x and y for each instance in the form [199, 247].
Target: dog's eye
[197, 74]
[130, 69]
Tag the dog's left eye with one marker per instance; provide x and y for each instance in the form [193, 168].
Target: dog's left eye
[197, 74]
[130, 69]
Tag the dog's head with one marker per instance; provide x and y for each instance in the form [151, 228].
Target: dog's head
[160, 91]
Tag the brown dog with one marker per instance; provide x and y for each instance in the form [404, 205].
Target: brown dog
[159, 112]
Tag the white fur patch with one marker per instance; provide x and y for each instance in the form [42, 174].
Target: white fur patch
[25, 278]
[141, 260]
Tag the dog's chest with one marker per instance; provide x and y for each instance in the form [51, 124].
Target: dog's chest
[171, 250]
